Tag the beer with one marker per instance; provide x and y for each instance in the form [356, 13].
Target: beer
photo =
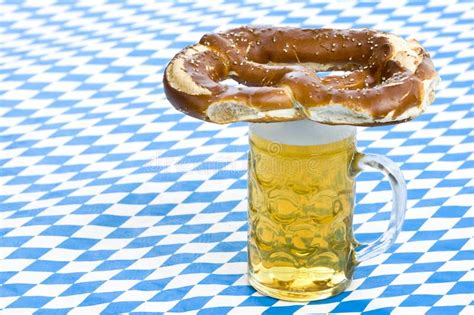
[301, 245]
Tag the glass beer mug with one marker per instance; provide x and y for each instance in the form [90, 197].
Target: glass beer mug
[301, 198]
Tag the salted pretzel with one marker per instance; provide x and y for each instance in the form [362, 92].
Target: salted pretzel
[390, 80]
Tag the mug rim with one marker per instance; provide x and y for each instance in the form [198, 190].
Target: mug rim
[302, 132]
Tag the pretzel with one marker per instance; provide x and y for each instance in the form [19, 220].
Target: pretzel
[391, 80]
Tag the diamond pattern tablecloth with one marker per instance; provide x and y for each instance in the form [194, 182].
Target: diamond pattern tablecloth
[111, 201]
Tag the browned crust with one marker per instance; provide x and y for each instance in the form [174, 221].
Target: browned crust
[272, 62]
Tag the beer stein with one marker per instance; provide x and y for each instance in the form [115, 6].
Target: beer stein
[301, 189]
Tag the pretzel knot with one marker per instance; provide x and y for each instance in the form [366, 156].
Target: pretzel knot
[386, 79]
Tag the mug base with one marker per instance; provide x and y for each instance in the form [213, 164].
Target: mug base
[295, 296]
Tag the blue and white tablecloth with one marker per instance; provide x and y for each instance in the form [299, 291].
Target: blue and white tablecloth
[111, 201]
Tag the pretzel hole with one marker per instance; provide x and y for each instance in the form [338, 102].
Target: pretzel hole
[231, 82]
[323, 74]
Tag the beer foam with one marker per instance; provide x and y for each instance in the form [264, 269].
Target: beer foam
[301, 132]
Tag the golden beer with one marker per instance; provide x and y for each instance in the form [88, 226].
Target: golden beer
[301, 245]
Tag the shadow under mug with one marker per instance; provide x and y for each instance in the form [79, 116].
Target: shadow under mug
[301, 184]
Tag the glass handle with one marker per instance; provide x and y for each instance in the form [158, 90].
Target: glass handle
[399, 203]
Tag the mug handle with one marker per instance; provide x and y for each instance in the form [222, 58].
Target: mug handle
[399, 203]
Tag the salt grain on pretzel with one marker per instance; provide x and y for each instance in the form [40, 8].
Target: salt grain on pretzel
[391, 80]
